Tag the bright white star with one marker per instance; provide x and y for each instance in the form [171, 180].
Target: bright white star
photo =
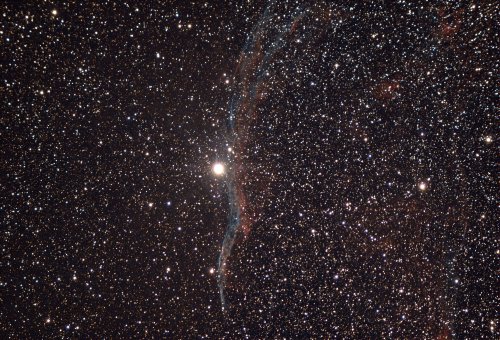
[218, 169]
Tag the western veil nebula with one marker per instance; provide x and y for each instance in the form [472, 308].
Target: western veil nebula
[267, 38]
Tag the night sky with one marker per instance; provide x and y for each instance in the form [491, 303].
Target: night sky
[232, 169]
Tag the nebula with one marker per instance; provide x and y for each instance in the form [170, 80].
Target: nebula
[263, 43]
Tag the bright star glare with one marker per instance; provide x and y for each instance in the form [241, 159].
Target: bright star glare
[218, 169]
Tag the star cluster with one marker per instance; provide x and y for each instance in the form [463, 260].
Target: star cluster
[357, 141]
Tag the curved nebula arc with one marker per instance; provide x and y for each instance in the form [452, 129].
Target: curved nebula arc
[262, 44]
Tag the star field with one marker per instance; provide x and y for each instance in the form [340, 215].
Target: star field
[249, 169]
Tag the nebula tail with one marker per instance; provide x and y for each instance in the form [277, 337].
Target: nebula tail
[266, 39]
[229, 239]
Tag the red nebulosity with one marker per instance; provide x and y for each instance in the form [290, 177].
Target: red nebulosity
[449, 23]
[444, 334]
[295, 24]
[387, 90]
[245, 221]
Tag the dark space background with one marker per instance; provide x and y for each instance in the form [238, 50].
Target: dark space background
[366, 156]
